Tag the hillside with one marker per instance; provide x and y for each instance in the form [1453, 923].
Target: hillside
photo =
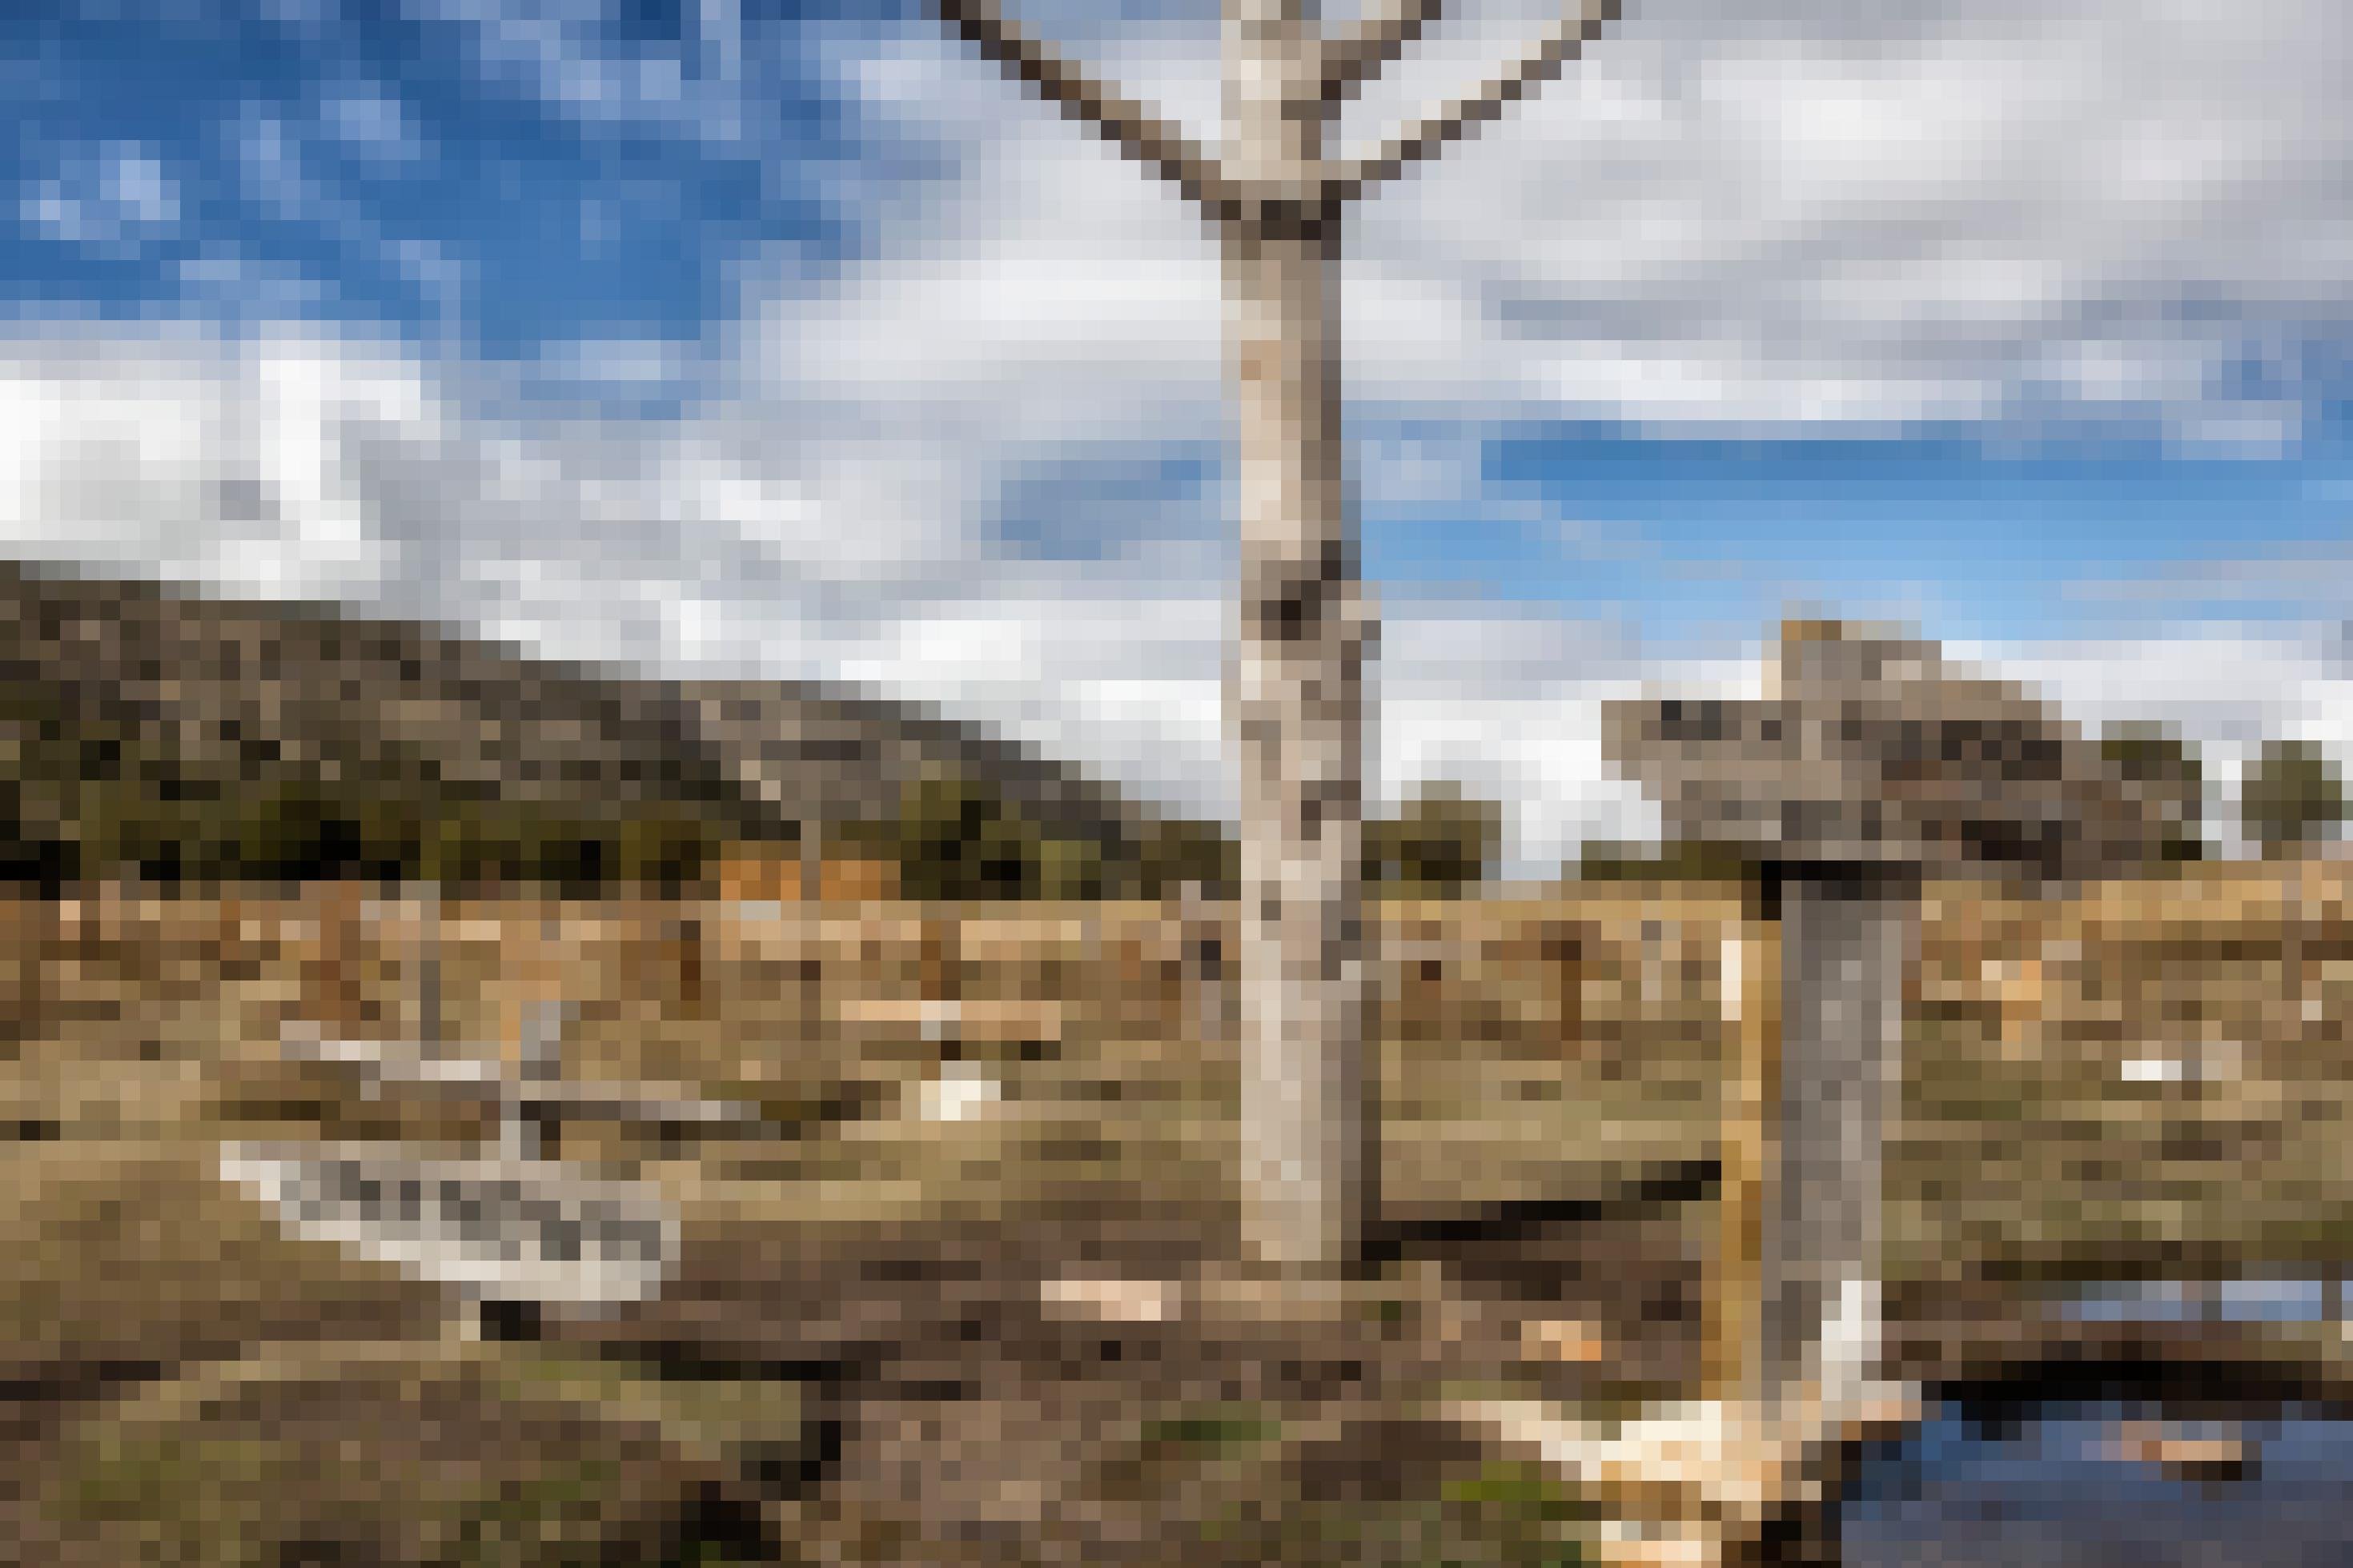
[144, 725]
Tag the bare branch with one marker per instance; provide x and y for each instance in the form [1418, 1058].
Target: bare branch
[1152, 142]
[1429, 136]
[1358, 54]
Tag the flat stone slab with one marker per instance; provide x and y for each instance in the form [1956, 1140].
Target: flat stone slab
[504, 1230]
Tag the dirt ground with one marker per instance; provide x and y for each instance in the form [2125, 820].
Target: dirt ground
[877, 1285]
[965, 1419]
[939, 1409]
[949, 1413]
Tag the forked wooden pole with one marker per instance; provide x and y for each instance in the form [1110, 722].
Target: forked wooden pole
[1294, 696]
[1295, 704]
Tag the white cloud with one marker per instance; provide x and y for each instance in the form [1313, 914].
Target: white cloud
[164, 455]
[1822, 215]
[277, 170]
[224, 282]
[1826, 218]
[2299, 582]
[1832, 215]
[297, 465]
[374, 124]
[558, 53]
[115, 200]
[2224, 691]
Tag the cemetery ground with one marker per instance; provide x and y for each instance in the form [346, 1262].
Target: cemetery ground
[962, 1301]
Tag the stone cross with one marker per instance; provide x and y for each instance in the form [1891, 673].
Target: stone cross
[1294, 701]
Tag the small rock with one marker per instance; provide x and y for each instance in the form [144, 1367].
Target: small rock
[1560, 1339]
[960, 1093]
[1119, 1300]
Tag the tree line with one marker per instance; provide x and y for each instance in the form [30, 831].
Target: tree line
[95, 805]
[2291, 798]
[953, 836]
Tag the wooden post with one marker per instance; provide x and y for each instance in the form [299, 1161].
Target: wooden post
[690, 966]
[428, 968]
[1202, 933]
[1295, 704]
[529, 974]
[335, 977]
[529, 1130]
[1847, 940]
[1749, 1157]
[25, 934]
[939, 965]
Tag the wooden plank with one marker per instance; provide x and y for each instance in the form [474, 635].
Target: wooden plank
[980, 1021]
[1752, 952]
[480, 1074]
[497, 1229]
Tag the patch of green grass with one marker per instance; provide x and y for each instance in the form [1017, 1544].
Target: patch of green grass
[1516, 1490]
[1503, 1516]
[429, 1459]
[1217, 1430]
[1250, 1483]
[227, 1500]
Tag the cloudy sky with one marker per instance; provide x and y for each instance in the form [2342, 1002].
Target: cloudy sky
[762, 336]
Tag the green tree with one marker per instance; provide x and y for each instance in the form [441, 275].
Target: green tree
[567, 853]
[665, 850]
[1175, 850]
[473, 847]
[1678, 860]
[37, 845]
[1442, 845]
[294, 829]
[955, 836]
[2158, 767]
[2293, 796]
[393, 830]
[1070, 868]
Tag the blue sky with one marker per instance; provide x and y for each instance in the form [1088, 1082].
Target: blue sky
[786, 338]
[324, 146]
[1979, 544]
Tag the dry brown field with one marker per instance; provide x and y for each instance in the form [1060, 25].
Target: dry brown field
[175, 1362]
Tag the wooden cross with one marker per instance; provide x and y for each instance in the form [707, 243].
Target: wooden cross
[1294, 701]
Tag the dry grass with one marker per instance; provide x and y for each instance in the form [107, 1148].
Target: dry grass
[1533, 1049]
[420, 1455]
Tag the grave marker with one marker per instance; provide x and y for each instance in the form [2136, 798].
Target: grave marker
[1276, 199]
[511, 1233]
[1867, 766]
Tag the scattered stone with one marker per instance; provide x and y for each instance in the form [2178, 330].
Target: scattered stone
[1561, 1339]
[1117, 1301]
[2183, 1458]
[964, 1091]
